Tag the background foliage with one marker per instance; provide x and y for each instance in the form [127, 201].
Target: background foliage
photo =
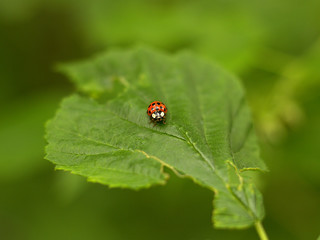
[273, 46]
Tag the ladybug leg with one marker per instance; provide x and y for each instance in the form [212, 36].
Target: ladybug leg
[154, 122]
[164, 120]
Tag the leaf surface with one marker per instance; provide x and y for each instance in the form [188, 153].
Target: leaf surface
[208, 136]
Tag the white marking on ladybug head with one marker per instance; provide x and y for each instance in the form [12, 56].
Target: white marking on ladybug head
[157, 115]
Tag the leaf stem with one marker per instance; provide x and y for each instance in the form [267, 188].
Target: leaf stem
[261, 232]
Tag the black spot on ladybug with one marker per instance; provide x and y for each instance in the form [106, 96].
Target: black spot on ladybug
[157, 108]
[164, 109]
[152, 109]
[158, 103]
[161, 107]
[149, 111]
[153, 104]
[149, 106]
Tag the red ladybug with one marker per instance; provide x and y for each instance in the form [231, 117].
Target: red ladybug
[157, 112]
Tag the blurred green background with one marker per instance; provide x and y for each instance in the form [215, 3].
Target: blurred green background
[274, 46]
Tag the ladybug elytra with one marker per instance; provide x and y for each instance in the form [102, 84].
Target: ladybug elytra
[157, 112]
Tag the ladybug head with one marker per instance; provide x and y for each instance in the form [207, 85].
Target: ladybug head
[157, 115]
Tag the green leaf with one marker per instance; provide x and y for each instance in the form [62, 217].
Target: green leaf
[208, 136]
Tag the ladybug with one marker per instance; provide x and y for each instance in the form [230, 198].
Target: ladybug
[157, 112]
